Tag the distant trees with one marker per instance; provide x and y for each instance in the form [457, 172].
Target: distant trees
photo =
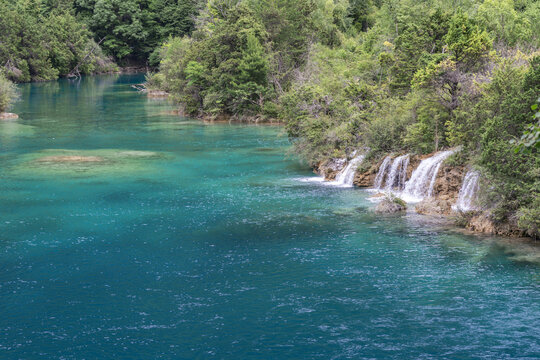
[133, 29]
[45, 39]
[41, 41]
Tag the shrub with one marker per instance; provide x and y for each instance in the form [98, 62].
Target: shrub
[8, 93]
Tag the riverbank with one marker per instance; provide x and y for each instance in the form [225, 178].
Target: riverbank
[8, 116]
[431, 186]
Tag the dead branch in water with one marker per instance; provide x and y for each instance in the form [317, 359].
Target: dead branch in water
[75, 72]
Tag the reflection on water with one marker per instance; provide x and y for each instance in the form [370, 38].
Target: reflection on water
[129, 232]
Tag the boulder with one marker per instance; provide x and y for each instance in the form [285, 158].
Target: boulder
[157, 94]
[390, 205]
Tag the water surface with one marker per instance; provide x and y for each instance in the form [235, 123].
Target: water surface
[183, 240]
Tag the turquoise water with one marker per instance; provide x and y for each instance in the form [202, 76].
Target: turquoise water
[175, 239]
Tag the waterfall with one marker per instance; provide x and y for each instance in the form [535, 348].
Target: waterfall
[346, 177]
[398, 173]
[382, 172]
[423, 177]
[467, 193]
[394, 171]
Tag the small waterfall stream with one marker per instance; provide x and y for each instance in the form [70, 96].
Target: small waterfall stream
[422, 180]
[378, 183]
[468, 192]
[398, 173]
[395, 173]
[346, 177]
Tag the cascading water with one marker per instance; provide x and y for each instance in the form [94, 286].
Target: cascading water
[394, 172]
[468, 192]
[398, 173]
[346, 177]
[423, 177]
[378, 183]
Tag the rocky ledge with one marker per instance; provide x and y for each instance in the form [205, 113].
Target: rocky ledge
[434, 207]
[448, 183]
[482, 222]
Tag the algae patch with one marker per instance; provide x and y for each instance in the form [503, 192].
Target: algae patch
[85, 163]
[9, 129]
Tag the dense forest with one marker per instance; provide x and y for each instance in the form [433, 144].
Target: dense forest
[47, 39]
[389, 76]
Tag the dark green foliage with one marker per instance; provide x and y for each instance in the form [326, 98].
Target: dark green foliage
[41, 41]
[45, 39]
[133, 29]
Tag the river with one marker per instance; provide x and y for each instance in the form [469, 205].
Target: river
[128, 232]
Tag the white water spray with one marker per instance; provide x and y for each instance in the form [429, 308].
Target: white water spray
[346, 176]
[468, 192]
[398, 173]
[423, 177]
[378, 183]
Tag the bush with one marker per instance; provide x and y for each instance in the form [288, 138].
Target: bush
[8, 93]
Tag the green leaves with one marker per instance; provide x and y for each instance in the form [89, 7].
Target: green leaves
[530, 139]
[466, 42]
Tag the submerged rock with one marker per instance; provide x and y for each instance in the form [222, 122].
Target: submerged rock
[390, 205]
[8, 116]
[71, 159]
[139, 154]
[86, 163]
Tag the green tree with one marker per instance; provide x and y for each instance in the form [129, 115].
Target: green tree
[467, 43]
[252, 84]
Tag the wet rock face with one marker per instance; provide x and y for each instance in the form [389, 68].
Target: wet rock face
[330, 168]
[448, 183]
[367, 178]
[434, 207]
[481, 222]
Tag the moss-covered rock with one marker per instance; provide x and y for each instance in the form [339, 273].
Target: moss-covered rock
[390, 204]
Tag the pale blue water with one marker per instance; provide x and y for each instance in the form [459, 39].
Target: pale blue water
[194, 241]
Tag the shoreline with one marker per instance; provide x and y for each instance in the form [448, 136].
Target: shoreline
[440, 205]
